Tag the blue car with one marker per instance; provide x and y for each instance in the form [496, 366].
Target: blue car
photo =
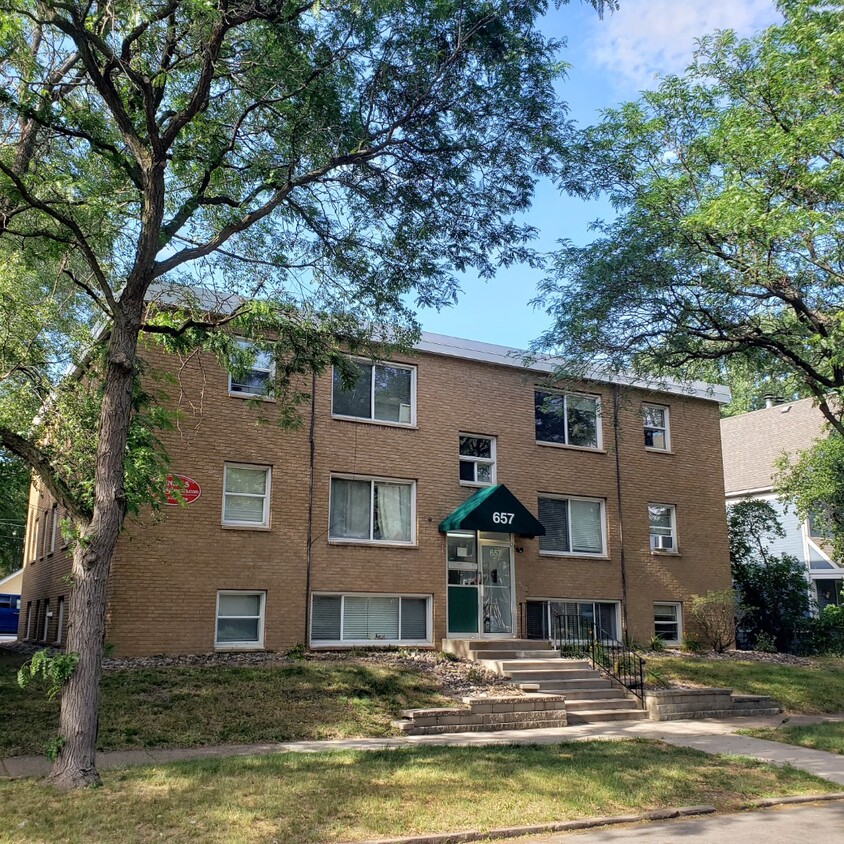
[10, 610]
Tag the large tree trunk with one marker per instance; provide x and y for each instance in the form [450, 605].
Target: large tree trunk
[75, 764]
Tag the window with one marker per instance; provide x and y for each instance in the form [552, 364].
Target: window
[28, 619]
[663, 527]
[380, 392]
[372, 510]
[368, 618]
[47, 616]
[246, 495]
[655, 420]
[819, 531]
[572, 526]
[667, 622]
[477, 460]
[567, 419]
[60, 622]
[257, 377]
[240, 619]
[575, 620]
[35, 539]
[54, 527]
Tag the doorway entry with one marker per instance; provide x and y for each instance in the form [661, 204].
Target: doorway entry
[481, 599]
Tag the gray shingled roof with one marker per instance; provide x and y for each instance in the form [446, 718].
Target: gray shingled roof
[753, 441]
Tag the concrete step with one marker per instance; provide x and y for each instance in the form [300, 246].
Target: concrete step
[559, 677]
[604, 693]
[512, 654]
[595, 716]
[598, 703]
[506, 644]
[550, 666]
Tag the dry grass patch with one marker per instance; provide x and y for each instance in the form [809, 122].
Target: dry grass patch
[352, 796]
[190, 707]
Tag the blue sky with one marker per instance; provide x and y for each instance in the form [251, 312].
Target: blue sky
[611, 61]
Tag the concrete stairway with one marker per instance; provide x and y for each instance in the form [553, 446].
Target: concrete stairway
[534, 666]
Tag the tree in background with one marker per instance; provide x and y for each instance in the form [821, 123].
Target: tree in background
[14, 483]
[729, 240]
[318, 167]
[772, 588]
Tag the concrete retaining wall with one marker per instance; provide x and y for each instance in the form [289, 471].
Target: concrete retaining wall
[682, 704]
[483, 714]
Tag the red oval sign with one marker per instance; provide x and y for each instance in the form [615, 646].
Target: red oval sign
[181, 488]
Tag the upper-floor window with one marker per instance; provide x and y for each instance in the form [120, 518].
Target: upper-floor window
[567, 419]
[655, 420]
[257, 377]
[372, 510]
[477, 460]
[246, 495]
[381, 392]
[572, 526]
[662, 520]
[54, 527]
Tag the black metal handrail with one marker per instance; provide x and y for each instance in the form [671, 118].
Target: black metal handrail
[579, 638]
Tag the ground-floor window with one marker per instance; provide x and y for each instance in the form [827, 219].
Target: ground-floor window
[28, 619]
[240, 619]
[370, 618]
[60, 622]
[667, 622]
[829, 592]
[549, 619]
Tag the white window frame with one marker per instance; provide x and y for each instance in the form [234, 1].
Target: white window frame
[265, 522]
[372, 420]
[599, 434]
[666, 429]
[28, 620]
[675, 549]
[339, 540]
[567, 498]
[47, 616]
[493, 459]
[679, 608]
[341, 642]
[35, 538]
[548, 601]
[242, 646]
[54, 526]
[60, 622]
[246, 344]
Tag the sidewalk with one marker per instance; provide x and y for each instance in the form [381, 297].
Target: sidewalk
[710, 736]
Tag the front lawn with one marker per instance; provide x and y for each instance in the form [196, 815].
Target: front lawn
[353, 796]
[811, 689]
[829, 737]
[187, 707]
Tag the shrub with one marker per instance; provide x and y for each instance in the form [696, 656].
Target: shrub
[656, 644]
[715, 615]
[765, 644]
[693, 644]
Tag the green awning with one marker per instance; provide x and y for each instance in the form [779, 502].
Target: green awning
[494, 509]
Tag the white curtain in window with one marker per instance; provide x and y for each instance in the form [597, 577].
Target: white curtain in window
[350, 508]
[392, 512]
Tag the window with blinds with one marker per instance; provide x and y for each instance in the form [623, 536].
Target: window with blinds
[369, 618]
[572, 526]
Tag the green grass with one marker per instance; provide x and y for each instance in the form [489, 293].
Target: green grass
[807, 689]
[188, 707]
[829, 737]
[353, 796]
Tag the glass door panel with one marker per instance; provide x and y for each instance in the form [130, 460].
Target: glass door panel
[497, 589]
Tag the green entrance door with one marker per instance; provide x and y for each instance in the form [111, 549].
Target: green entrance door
[480, 585]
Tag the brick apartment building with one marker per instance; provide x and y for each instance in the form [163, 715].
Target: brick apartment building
[452, 493]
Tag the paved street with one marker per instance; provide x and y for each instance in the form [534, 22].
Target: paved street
[822, 823]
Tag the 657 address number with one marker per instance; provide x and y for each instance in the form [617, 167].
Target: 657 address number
[503, 518]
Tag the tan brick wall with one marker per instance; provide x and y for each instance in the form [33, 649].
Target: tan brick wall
[168, 567]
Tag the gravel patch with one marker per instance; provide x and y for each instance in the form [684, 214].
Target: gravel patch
[455, 677]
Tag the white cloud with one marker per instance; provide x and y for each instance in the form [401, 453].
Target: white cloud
[646, 38]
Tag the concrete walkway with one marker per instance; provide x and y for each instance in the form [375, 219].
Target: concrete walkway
[710, 736]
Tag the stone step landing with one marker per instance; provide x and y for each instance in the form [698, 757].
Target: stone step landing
[485, 714]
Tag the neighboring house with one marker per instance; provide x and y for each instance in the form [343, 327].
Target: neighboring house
[452, 493]
[752, 443]
[10, 599]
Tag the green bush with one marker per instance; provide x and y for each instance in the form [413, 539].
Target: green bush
[693, 644]
[765, 644]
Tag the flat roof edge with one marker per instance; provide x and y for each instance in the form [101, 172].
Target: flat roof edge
[456, 347]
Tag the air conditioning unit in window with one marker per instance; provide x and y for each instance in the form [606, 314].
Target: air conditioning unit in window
[662, 543]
